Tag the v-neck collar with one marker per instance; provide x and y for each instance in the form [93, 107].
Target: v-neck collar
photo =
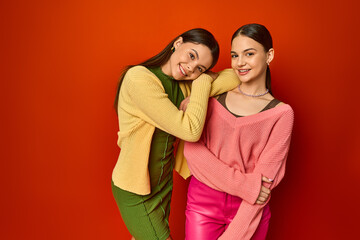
[249, 118]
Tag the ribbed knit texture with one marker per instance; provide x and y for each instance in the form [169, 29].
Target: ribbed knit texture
[234, 153]
[144, 105]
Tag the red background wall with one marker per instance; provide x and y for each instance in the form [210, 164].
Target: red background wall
[60, 61]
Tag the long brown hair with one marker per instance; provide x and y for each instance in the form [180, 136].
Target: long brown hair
[196, 35]
[260, 34]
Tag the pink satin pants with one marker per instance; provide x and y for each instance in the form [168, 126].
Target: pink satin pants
[209, 213]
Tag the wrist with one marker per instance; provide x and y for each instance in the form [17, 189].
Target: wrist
[205, 77]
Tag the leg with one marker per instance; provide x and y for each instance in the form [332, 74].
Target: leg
[204, 212]
[144, 220]
[200, 227]
[233, 204]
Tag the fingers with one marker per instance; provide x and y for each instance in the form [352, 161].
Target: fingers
[265, 190]
[263, 195]
[182, 106]
[265, 179]
[214, 75]
[184, 103]
[262, 199]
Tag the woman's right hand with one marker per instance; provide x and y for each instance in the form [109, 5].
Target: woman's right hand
[184, 103]
[264, 191]
[214, 75]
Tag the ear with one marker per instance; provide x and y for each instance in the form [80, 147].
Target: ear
[270, 55]
[178, 42]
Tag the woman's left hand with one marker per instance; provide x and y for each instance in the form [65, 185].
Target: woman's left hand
[264, 192]
[184, 103]
[214, 75]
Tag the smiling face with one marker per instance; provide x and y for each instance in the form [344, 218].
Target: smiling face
[188, 61]
[249, 59]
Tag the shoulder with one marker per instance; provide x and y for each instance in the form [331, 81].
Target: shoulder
[140, 75]
[286, 108]
[138, 71]
[286, 113]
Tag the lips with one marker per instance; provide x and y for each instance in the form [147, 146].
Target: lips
[182, 70]
[243, 71]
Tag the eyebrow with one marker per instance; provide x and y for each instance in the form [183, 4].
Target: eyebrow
[248, 49]
[197, 56]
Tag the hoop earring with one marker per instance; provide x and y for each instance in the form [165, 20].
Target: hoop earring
[173, 49]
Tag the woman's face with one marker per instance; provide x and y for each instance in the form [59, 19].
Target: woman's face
[249, 59]
[188, 61]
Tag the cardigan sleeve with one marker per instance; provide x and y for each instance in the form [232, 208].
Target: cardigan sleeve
[153, 105]
[226, 81]
[272, 165]
[212, 171]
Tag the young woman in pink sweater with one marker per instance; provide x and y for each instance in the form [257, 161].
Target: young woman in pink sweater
[241, 155]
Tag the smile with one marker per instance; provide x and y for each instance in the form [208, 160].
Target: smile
[182, 70]
[244, 71]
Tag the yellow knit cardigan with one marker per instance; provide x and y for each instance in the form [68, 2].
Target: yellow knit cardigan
[144, 106]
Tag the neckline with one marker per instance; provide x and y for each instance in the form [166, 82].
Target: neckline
[230, 116]
[161, 73]
[223, 103]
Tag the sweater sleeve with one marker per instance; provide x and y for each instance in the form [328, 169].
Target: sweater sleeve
[272, 165]
[226, 81]
[147, 94]
[213, 172]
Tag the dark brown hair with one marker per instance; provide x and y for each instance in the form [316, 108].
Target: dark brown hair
[197, 36]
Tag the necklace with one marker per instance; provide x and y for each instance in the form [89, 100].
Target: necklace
[250, 95]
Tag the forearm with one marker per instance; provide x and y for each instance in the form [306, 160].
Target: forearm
[210, 170]
[148, 101]
[226, 81]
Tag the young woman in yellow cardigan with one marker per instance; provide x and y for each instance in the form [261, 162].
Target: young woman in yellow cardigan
[147, 103]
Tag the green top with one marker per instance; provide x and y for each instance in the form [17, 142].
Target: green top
[161, 156]
[170, 85]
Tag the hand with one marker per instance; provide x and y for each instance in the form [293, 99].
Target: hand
[264, 191]
[184, 103]
[214, 75]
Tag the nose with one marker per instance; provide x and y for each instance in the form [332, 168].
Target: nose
[191, 66]
[240, 61]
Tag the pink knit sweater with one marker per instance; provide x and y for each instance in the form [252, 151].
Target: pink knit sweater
[234, 153]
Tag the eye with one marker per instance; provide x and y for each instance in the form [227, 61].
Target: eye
[234, 55]
[200, 69]
[249, 54]
[192, 56]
